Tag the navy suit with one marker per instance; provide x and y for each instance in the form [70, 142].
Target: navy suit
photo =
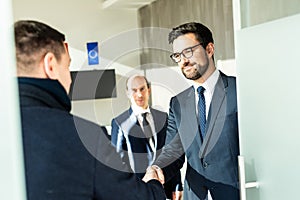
[215, 158]
[67, 157]
[129, 139]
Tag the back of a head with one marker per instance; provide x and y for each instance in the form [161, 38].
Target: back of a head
[33, 40]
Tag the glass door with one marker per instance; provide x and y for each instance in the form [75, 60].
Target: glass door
[12, 179]
[268, 70]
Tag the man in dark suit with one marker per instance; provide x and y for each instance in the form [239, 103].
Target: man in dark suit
[137, 146]
[66, 157]
[202, 125]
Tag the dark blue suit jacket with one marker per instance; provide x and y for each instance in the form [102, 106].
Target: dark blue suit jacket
[67, 157]
[126, 129]
[214, 158]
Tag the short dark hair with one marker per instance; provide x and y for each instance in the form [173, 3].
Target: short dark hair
[202, 33]
[33, 40]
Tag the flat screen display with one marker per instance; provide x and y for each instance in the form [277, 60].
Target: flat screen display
[95, 84]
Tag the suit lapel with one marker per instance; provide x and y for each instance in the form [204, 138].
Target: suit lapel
[157, 124]
[218, 105]
[127, 122]
[189, 121]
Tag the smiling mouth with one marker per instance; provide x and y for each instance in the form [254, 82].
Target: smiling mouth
[187, 68]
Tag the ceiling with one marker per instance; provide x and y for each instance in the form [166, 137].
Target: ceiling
[125, 4]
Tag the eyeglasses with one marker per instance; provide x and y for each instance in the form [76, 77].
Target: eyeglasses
[187, 53]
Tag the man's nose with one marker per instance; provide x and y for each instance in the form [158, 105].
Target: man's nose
[184, 61]
[139, 93]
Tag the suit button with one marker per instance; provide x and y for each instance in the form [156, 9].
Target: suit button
[205, 164]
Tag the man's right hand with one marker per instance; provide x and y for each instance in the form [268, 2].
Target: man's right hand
[154, 172]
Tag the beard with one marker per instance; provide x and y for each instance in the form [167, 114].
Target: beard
[197, 72]
[194, 75]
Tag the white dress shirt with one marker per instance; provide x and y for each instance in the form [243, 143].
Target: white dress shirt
[209, 86]
[138, 111]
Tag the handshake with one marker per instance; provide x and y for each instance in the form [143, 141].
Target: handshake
[154, 172]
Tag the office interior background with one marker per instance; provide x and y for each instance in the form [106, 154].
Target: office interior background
[250, 36]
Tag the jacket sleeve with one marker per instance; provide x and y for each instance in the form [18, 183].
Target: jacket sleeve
[114, 179]
[114, 132]
[172, 156]
[174, 184]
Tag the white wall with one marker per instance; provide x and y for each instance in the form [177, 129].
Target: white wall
[80, 20]
[84, 21]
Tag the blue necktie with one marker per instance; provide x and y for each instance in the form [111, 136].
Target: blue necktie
[201, 111]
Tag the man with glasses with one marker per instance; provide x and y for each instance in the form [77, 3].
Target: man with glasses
[202, 122]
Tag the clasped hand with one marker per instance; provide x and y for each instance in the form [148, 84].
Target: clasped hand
[154, 172]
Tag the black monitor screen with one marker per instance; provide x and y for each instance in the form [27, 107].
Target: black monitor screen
[96, 84]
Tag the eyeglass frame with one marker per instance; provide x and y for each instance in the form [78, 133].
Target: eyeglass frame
[181, 53]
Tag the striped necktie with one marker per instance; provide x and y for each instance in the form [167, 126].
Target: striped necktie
[148, 132]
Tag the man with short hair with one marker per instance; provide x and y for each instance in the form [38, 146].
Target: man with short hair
[203, 120]
[139, 133]
[66, 157]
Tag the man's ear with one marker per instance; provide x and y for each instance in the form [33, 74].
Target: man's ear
[128, 94]
[50, 66]
[210, 49]
[149, 91]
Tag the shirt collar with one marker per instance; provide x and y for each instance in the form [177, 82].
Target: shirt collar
[45, 90]
[138, 110]
[210, 83]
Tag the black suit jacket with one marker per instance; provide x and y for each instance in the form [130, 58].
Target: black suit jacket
[67, 157]
[128, 137]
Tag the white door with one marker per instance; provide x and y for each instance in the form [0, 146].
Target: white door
[268, 80]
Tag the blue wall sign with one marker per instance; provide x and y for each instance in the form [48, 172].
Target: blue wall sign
[93, 53]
